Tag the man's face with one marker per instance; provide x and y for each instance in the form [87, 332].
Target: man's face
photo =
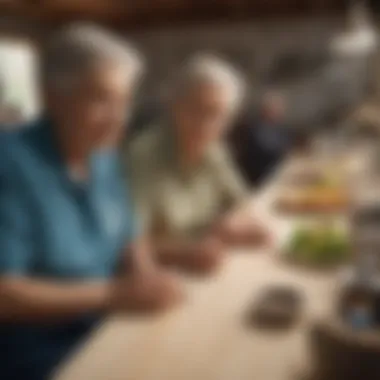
[202, 115]
[98, 106]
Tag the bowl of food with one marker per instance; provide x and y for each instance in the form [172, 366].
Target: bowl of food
[313, 199]
[277, 307]
[314, 189]
[312, 176]
[318, 246]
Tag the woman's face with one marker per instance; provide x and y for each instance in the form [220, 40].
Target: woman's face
[97, 110]
[202, 116]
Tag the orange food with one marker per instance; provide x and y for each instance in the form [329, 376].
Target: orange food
[314, 200]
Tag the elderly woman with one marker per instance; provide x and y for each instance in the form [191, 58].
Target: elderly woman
[185, 184]
[69, 248]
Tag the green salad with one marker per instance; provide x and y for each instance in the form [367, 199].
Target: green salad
[318, 246]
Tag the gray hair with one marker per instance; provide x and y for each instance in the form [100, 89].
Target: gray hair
[207, 68]
[76, 48]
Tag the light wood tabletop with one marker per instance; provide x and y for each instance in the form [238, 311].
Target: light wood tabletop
[206, 337]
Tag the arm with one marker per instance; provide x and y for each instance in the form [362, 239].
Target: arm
[202, 256]
[170, 250]
[235, 190]
[23, 297]
[37, 300]
[194, 254]
[236, 226]
[27, 299]
[241, 228]
[139, 257]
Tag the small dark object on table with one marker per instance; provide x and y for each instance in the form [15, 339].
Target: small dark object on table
[277, 308]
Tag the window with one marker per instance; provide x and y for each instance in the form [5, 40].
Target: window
[18, 89]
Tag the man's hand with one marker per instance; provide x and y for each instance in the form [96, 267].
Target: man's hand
[201, 257]
[151, 292]
[205, 257]
[241, 229]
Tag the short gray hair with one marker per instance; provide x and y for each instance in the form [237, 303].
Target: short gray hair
[206, 68]
[77, 47]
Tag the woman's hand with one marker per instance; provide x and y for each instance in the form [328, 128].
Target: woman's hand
[145, 292]
[202, 257]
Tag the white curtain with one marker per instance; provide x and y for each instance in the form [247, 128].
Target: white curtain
[18, 76]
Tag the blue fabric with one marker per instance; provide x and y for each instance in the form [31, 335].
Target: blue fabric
[53, 227]
[32, 352]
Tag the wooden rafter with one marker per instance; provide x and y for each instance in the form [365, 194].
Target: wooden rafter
[142, 13]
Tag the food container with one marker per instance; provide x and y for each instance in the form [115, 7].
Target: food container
[342, 353]
[346, 346]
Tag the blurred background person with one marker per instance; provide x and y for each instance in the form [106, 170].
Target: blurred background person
[184, 181]
[66, 225]
[259, 143]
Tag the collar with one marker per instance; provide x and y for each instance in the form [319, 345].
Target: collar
[49, 146]
[172, 154]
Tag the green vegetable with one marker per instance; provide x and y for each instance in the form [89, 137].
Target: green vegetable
[321, 246]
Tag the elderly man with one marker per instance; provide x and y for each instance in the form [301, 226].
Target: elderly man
[185, 185]
[70, 251]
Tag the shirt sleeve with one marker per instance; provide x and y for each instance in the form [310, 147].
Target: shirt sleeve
[16, 236]
[232, 184]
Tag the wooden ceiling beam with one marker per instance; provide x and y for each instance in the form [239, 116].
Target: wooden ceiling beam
[152, 13]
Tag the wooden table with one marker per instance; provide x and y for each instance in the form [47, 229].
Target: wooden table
[206, 338]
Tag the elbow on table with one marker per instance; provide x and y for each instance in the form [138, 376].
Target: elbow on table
[8, 296]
